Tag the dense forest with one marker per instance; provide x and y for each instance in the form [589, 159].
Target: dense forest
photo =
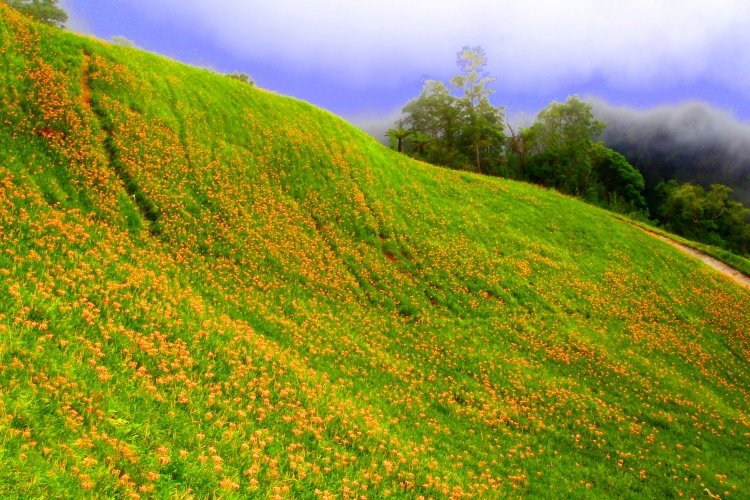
[456, 125]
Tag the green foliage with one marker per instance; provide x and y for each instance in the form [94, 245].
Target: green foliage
[435, 114]
[243, 77]
[708, 216]
[617, 182]
[397, 136]
[208, 290]
[461, 131]
[564, 135]
[559, 150]
[481, 132]
[561, 127]
[46, 11]
[473, 80]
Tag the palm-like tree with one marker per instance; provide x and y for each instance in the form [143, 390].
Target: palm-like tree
[398, 134]
[419, 142]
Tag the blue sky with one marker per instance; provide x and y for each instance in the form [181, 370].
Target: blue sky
[364, 60]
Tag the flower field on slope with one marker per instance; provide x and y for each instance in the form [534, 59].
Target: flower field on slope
[209, 289]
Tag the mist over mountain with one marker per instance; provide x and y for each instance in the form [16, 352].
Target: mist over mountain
[692, 142]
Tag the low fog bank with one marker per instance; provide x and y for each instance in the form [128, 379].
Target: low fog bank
[377, 124]
[691, 142]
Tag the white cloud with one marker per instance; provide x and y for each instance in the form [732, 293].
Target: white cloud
[539, 43]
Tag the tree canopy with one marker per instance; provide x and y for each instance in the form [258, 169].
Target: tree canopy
[243, 77]
[567, 125]
[46, 11]
[461, 129]
[617, 182]
[564, 135]
[710, 215]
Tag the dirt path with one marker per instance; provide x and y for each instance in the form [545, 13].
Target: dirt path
[86, 96]
[729, 272]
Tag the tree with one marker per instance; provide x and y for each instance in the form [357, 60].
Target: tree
[46, 11]
[419, 143]
[520, 144]
[436, 115]
[564, 135]
[474, 80]
[683, 208]
[243, 77]
[434, 112]
[709, 216]
[481, 133]
[482, 121]
[398, 135]
[567, 125]
[457, 128]
[617, 181]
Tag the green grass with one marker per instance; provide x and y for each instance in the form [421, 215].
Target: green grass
[208, 289]
[738, 262]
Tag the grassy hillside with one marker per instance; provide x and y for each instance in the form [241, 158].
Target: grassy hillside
[206, 288]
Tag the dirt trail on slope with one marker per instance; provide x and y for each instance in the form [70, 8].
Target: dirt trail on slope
[728, 271]
[86, 89]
